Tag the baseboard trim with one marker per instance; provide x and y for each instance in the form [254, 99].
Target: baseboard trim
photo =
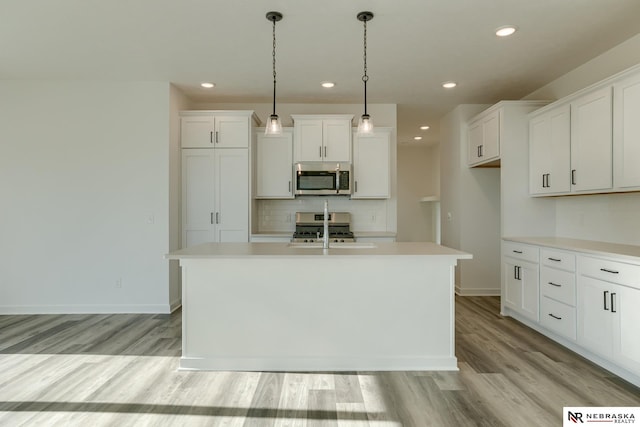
[479, 292]
[175, 305]
[87, 309]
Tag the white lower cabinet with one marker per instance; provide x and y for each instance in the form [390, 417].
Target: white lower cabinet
[588, 303]
[609, 319]
[215, 195]
[520, 277]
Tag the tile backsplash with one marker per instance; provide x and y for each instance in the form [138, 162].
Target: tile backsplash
[280, 215]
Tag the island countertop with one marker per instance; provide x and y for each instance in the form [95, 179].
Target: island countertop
[263, 250]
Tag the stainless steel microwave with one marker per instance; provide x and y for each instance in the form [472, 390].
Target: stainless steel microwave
[322, 179]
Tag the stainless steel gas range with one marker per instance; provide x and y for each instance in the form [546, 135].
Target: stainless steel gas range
[309, 227]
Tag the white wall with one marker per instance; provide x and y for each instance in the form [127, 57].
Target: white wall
[178, 101]
[472, 198]
[84, 173]
[606, 217]
[418, 176]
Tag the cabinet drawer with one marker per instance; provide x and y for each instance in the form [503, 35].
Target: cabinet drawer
[610, 271]
[559, 285]
[558, 317]
[520, 251]
[558, 259]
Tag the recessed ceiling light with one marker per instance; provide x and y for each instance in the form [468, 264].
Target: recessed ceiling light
[449, 85]
[328, 84]
[506, 30]
[424, 127]
[417, 138]
[207, 85]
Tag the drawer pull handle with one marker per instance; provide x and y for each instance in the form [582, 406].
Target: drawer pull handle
[517, 252]
[554, 259]
[609, 271]
[555, 317]
[555, 284]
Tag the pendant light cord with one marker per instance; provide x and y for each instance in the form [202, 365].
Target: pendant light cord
[274, 66]
[365, 77]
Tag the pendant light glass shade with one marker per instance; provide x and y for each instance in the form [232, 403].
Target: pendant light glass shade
[274, 126]
[365, 124]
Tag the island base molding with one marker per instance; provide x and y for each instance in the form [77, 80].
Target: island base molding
[318, 365]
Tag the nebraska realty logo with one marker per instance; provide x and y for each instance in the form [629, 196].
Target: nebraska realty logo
[604, 416]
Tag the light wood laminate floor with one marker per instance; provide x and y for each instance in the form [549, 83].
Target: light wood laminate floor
[117, 370]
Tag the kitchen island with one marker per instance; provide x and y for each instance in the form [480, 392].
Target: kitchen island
[288, 307]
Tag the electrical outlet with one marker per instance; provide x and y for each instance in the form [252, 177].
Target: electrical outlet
[151, 219]
[288, 218]
[449, 216]
[119, 282]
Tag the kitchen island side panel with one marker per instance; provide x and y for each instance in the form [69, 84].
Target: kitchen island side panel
[318, 313]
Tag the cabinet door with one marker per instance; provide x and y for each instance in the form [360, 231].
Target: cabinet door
[308, 141]
[521, 287]
[529, 277]
[336, 136]
[475, 138]
[626, 329]
[513, 286]
[197, 131]
[491, 136]
[198, 204]
[591, 142]
[626, 132]
[232, 195]
[595, 321]
[231, 132]
[371, 166]
[274, 166]
[550, 152]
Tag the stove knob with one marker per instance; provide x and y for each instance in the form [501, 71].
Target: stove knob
[342, 240]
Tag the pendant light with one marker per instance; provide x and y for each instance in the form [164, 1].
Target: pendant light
[274, 126]
[365, 124]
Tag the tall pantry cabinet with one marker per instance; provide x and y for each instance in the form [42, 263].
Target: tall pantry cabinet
[215, 176]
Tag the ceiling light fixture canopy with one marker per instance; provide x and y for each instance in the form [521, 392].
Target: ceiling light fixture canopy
[274, 126]
[365, 124]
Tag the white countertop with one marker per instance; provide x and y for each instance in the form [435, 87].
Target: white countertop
[240, 250]
[356, 234]
[617, 250]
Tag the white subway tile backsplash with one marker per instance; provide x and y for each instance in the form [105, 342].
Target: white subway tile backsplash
[279, 215]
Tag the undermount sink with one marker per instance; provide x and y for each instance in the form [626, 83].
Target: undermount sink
[333, 245]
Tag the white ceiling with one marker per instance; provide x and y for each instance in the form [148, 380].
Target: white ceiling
[413, 46]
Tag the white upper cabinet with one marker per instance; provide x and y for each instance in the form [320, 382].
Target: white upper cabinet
[215, 129]
[484, 139]
[322, 138]
[274, 166]
[591, 142]
[372, 165]
[626, 133]
[550, 152]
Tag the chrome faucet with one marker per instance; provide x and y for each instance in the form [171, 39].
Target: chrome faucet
[325, 236]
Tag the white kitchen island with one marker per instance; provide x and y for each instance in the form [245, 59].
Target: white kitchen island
[279, 307]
